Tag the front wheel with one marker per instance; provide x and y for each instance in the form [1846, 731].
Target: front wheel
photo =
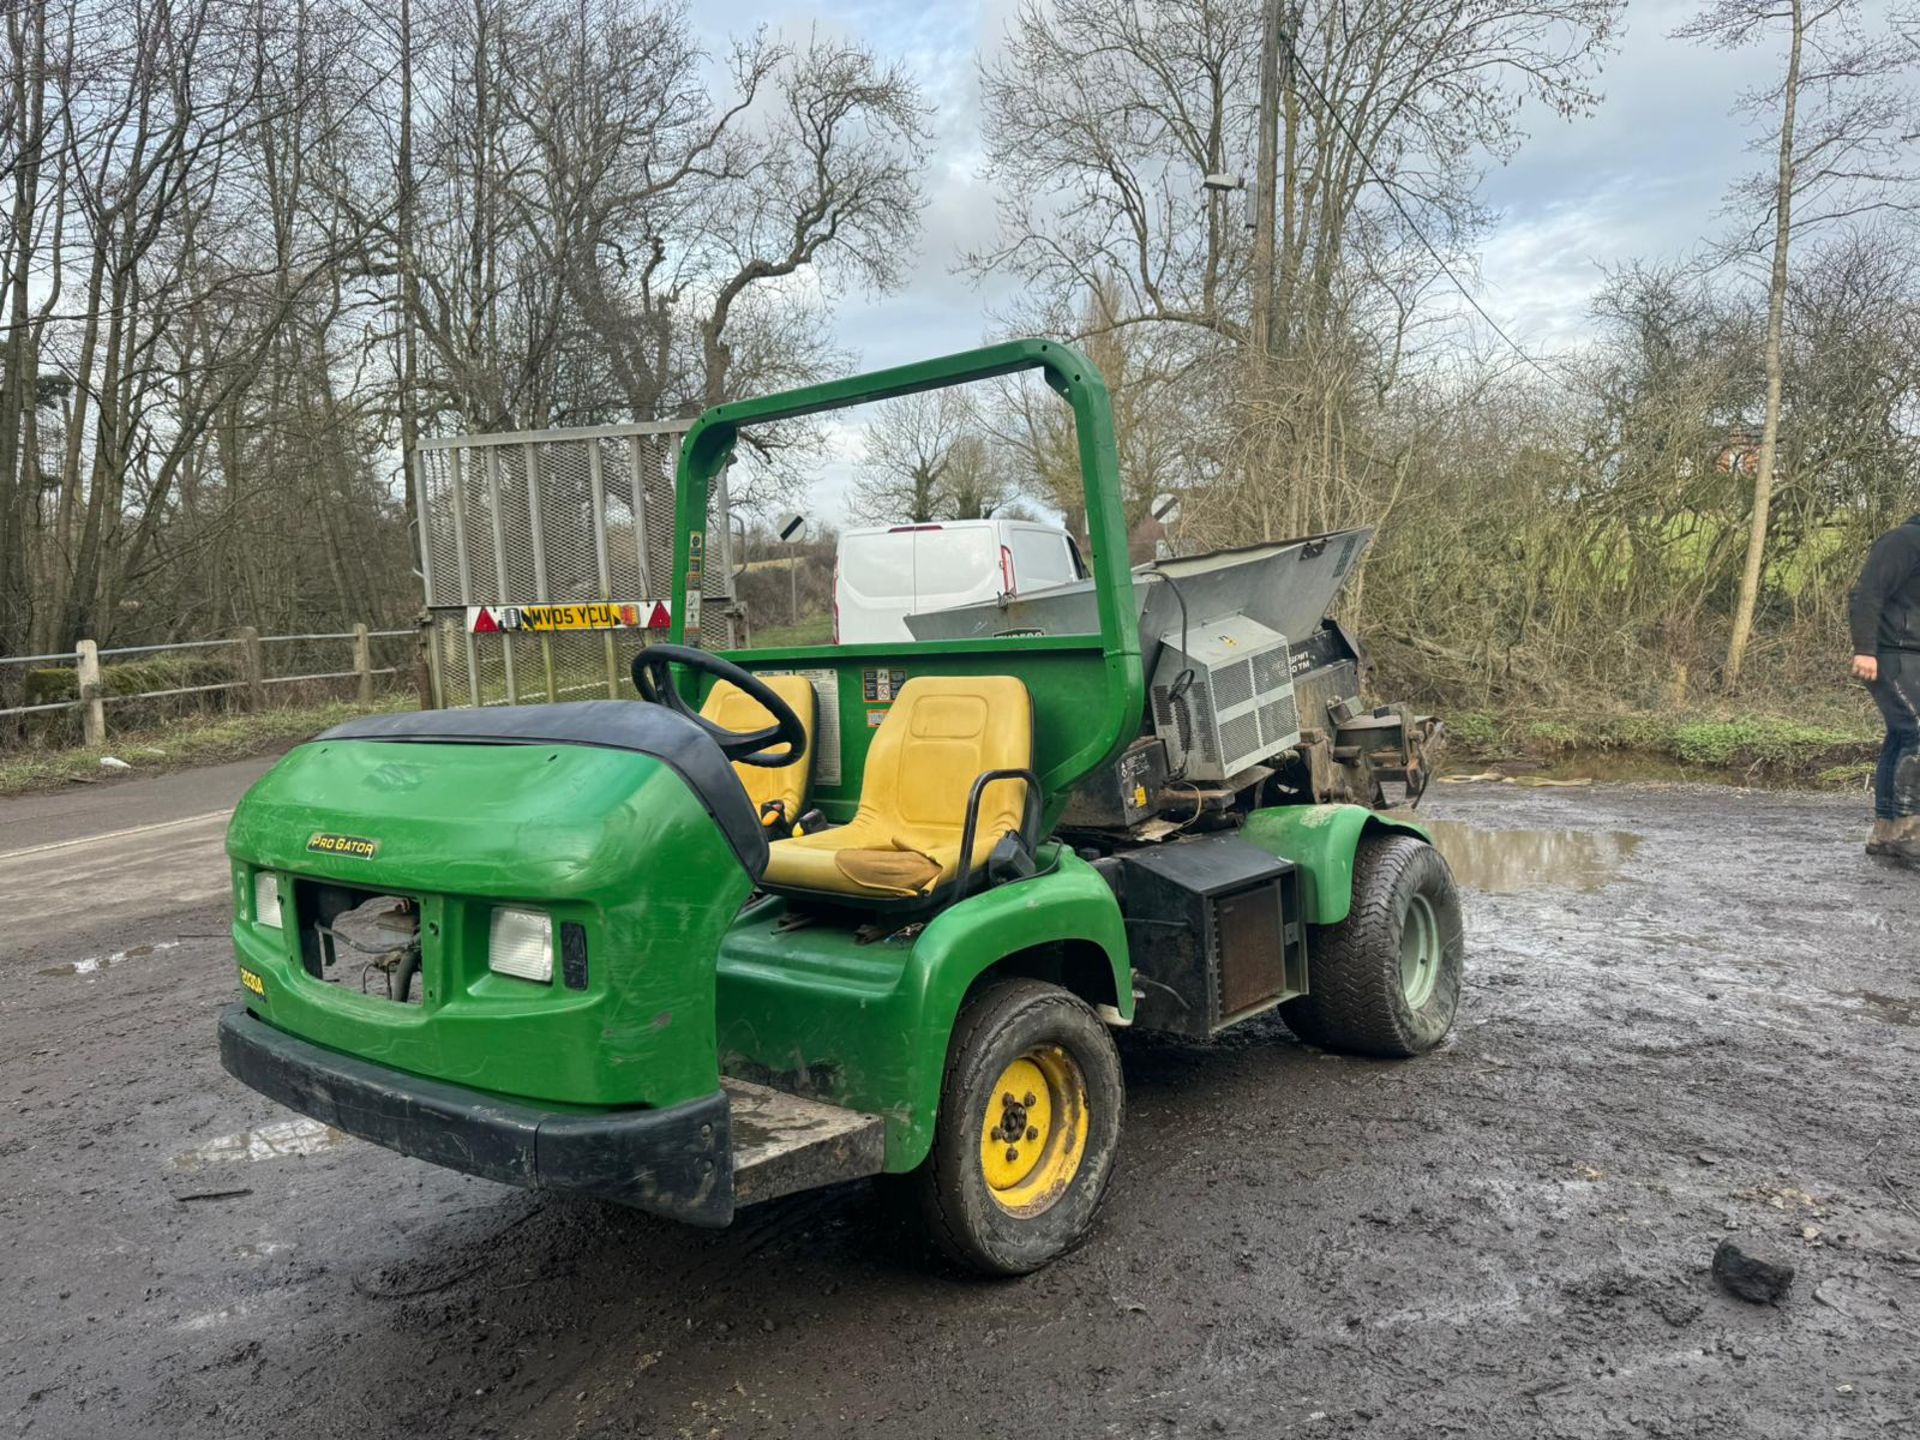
[1386, 980]
[1029, 1121]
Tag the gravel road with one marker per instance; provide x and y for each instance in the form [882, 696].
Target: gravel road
[1693, 1014]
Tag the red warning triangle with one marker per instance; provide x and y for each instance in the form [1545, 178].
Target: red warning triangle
[659, 619]
[484, 623]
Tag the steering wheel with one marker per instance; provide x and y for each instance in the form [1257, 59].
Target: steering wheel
[653, 678]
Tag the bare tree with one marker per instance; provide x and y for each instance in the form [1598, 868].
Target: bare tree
[1122, 109]
[833, 188]
[907, 452]
[1104, 116]
[1154, 412]
[1839, 153]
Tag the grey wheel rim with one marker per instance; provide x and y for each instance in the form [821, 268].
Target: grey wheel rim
[1419, 952]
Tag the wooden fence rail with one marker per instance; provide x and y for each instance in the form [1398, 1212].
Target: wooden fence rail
[252, 681]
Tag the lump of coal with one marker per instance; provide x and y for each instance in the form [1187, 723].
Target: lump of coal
[1763, 1282]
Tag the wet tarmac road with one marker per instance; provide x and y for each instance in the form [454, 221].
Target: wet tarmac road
[1692, 1013]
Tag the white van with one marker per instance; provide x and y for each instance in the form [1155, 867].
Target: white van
[885, 573]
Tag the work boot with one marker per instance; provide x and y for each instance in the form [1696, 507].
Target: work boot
[1905, 844]
[1879, 837]
[1903, 840]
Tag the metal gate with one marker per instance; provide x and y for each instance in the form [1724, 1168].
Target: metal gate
[524, 537]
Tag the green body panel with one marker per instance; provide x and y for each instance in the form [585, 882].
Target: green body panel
[1321, 840]
[865, 1025]
[1088, 692]
[608, 838]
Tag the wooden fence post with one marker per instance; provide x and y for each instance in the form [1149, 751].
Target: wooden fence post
[93, 711]
[425, 672]
[363, 663]
[252, 673]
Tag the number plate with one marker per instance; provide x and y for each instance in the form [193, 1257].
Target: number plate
[550, 619]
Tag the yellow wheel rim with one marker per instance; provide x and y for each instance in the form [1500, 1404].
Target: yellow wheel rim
[1035, 1131]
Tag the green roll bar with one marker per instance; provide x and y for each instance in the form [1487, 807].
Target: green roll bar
[710, 444]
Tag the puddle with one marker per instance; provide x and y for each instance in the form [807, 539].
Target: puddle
[94, 964]
[1890, 1008]
[1579, 768]
[264, 1142]
[1505, 862]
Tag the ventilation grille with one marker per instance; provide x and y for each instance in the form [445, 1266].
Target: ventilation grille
[1272, 671]
[1233, 685]
[1240, 739]
[1279, 722]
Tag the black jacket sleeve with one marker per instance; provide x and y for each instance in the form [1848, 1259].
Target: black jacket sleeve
[1893, 563]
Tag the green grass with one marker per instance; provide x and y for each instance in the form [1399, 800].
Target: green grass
[1474, 729]
[205, 740]
[1847, 777]
[1834, 748]
[814, 630]
[1757, 740]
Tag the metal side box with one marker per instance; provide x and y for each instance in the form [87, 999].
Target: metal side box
[1215, 931]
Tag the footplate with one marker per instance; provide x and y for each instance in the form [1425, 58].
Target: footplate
[783, 1143]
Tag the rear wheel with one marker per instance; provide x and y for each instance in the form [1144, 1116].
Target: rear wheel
[1386, 980]
[1030, 1117]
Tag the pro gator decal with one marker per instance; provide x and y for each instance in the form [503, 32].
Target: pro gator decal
[357, 846]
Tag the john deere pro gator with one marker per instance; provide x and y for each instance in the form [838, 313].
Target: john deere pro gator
[644, 950]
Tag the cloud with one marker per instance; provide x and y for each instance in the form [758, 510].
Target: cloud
[1645, 176]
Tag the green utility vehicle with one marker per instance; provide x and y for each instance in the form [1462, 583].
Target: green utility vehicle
[648, 950]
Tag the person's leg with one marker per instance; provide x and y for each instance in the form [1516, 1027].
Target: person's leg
[1905, 669]
[1896, 791]
[1883, 777]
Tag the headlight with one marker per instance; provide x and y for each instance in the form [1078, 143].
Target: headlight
[266, 899]
[521, 943]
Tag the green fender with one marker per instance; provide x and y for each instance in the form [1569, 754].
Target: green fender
[1321, 840]
[1072, 903]
[866, 1024]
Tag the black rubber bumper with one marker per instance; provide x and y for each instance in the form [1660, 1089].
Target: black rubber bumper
[676, 1162]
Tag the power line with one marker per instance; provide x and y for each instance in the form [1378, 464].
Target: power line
[1297, 67]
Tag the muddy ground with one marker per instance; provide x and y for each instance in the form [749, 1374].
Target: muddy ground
[1691, 1015]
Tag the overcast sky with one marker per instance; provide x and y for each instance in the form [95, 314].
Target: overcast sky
[1644, 176]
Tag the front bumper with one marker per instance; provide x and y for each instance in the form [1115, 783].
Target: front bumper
[676, 1162]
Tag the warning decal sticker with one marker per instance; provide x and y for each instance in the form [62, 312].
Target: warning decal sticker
[826, 721]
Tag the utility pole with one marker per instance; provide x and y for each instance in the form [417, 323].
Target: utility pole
[1266, 181]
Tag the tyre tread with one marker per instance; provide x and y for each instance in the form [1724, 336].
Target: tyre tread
[1350, 1003]
[940, 1189]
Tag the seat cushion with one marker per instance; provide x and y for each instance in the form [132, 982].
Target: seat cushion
[940, 735]
[730, 707]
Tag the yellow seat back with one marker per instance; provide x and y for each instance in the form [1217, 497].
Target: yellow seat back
[731, 708]
[942, 734]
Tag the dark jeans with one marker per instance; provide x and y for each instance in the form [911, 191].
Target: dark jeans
[1896, 783]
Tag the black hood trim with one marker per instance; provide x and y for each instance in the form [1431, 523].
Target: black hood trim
[651, 730]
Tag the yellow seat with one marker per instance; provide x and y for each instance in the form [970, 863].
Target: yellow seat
[942, 733]
[731, 708]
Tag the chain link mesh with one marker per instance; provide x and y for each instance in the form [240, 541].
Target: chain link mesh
[551, 519]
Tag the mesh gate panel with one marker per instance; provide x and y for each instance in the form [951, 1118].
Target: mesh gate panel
[553, 518]
[568, 666]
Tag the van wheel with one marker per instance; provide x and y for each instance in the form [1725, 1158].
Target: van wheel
[1030, 1117]
[1386, 980]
